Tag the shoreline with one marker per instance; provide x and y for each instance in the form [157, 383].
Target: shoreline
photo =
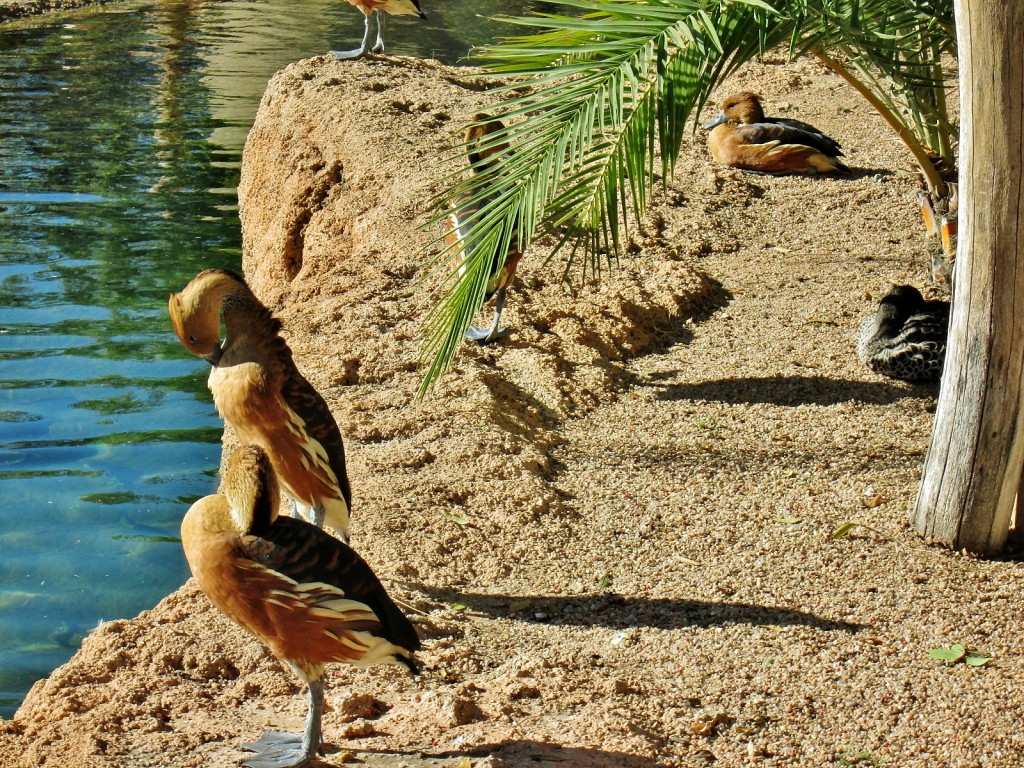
[20, 9]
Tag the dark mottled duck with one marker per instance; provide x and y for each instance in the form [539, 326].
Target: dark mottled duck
[906, 337]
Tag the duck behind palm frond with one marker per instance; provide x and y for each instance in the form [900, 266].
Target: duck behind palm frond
[464, 232]
[906, 337]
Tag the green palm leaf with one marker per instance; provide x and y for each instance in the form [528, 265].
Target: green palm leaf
[612, 87]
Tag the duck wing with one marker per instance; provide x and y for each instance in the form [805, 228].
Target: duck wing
[312, 559]
[310, 406]
[915, 351]
[789, 132]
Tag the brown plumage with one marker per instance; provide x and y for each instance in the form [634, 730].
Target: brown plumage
[742, 137]
[261, 394]
[464, 232]
[309, 597]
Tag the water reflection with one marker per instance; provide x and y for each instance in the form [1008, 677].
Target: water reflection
[110, 197]
[120, 136]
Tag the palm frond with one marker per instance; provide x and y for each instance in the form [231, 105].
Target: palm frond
[611, 89]
[893, 48]
[612, 85]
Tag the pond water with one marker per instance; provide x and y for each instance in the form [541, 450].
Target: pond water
[121, 130]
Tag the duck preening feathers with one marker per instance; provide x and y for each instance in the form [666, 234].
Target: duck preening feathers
[307, 596]
[906, 337]
[742, 137]
[464, 230]
[377, 8]
[258, 391]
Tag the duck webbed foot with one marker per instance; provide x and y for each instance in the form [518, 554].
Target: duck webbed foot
[485, 336]
[362, 50]
[277, 749]
[355, 53]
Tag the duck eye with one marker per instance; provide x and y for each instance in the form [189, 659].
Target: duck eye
[191, 339]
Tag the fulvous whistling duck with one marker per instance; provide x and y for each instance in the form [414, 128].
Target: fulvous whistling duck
[259, 391]
[378, 8]
[742, 137]
[464, 232]
[906, 338]
[310, 598]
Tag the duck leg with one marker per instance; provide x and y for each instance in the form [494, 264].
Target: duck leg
[378, 47]
[316, 515]
[481, 336]
[358, 53]
[276, 749]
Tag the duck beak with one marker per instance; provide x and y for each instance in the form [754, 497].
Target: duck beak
[214, 357]
[717, 121]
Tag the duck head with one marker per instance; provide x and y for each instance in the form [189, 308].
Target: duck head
[906, 297]
[195, 312]
[740, 108]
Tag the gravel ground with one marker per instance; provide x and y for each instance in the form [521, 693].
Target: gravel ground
[617, 525]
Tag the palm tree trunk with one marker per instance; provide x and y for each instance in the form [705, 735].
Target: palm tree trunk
[973, 471]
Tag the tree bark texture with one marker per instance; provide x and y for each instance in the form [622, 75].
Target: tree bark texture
[973, 470]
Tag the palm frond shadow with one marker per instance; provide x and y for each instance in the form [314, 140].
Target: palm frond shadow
[621, 612]
[793, 390]
[530, 418]
[531, 414]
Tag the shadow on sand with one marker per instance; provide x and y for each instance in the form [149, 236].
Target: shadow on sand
[793, 390]
[506, 754]
[620, 612]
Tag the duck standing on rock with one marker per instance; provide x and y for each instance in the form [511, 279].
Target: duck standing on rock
[378, 8]
[742, 137]
[464, 231]
[310, 598]
[258, 391]
[906, 338]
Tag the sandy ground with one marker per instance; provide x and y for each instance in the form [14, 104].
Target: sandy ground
[615, 527]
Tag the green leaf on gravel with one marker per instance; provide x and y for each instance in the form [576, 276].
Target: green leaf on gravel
[604, 581]
[458, 606]
[958, 652]
[788, 520]
[952, 654]
[863, 757]
[459, 519]
[845, 529]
